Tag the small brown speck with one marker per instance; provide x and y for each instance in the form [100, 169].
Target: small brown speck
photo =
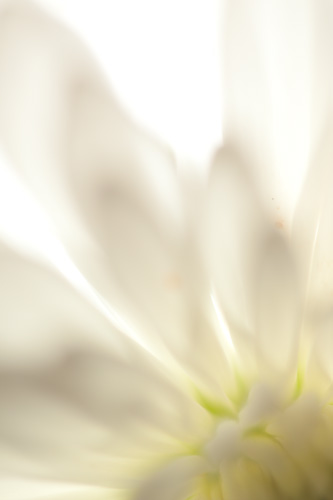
[279, 224]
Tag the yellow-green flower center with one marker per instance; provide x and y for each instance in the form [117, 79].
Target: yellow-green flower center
[273, 447]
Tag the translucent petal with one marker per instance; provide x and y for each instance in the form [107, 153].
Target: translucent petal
[312, 229]
[173, 482]
[320, 366]
[246, 480]
[80, 401]
[263, 402]
[20, 489]
[277, 75]
[111, 189]
[284, 476]
[233, 229]
[278, 303]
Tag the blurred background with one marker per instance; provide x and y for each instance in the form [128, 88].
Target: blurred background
[163, 61]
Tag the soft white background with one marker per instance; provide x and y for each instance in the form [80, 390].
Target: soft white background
[162, 58]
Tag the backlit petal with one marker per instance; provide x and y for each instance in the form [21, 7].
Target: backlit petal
[234, 226]
[111, 189]
[80, 401]
[278, 303]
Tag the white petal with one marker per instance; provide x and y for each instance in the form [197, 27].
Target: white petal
[20, 489]
[226, 444]
[72, 424]
[41, 315]
[313, 239]
[75, 133]
[173, 482]
[80, 401]
[313, 228]
[263, 402]
[297, 425]
[320, 367]
[246, 480]
[234, 225]
[278, 305]
[110, 188]
[277, 77]
[277, 466]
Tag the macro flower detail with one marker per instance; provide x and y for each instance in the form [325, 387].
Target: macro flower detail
[188, 355]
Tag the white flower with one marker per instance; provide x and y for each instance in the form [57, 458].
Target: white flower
[192, 402]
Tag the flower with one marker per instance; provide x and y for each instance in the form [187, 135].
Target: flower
[220, 385]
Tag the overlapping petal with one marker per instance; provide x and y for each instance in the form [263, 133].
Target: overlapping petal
[80, 401]
[111, 189]
[312, 228]
[18, 489]
[277, 81]
[279, 307]
[234, 230]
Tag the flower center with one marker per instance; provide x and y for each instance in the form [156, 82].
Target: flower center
[273, 448]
